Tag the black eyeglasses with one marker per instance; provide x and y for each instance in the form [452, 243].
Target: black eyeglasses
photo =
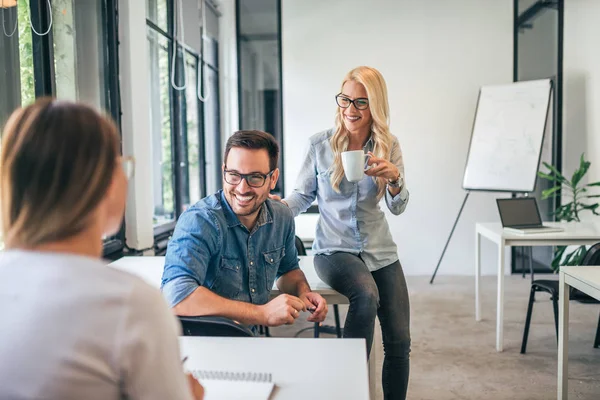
[255, 179]
[362, 103]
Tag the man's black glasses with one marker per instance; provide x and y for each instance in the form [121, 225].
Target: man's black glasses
[255, 179]
[361, 103]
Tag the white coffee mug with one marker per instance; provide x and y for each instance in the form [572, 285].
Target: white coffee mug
[355, 164]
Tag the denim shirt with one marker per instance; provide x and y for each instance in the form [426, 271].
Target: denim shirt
[351, 220]
[210, 247]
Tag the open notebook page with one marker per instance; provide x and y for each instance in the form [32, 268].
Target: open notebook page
[236, 390]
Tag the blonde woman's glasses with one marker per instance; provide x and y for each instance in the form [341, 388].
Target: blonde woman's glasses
[128, 163]
[361, 103]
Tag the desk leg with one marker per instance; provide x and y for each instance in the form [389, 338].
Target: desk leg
[500, 300]
[563, 339]
[477, 276]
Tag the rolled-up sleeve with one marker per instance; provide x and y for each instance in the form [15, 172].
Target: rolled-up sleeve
[305, 191]
[397, 204]
[290, 259]
[188, 255]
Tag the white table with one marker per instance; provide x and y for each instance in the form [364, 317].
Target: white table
[301, 368]
[586, 279]
[151, 268]
[574, 234]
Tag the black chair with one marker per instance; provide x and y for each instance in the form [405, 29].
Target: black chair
[213, 326]
[592, 257]
[336, 312]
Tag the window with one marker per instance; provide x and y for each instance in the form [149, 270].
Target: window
[160, 115]
[259, 69]
[177, 114]
[68, 50]
[537, 55]
[78, 43]
[191, 140]
[212, 115]
[16, 64]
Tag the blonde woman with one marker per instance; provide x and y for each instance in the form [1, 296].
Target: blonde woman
[355, 253]
[72, 328]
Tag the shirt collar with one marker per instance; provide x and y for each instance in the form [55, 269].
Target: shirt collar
[265, 215]
[369, 144]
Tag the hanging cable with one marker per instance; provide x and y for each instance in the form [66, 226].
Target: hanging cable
[49, 25]
[176, 29]
[202, 37]
[4, 23]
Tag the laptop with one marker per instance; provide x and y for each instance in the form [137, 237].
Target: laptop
[521, 215]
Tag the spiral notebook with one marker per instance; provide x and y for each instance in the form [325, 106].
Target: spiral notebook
[224, 385]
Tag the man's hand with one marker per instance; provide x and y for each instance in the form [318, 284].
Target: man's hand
[195, 387]
[277, 198]
[283, 309]
[316, 305]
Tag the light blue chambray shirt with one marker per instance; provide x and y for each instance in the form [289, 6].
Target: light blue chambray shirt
[210, 247]
[351, 220]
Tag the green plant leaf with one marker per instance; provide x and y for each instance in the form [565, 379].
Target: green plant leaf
[580, 172]
[558, 254]
[550, 192]
[556, 174]
[546, 176]
[593, 184]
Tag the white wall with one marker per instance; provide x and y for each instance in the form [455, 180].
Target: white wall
[581, 101]
[435, 55]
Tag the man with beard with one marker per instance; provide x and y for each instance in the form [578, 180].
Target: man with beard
[229, 248]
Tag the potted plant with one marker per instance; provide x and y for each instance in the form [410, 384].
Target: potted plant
[576, 199]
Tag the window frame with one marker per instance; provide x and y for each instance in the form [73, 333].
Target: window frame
[179, 131]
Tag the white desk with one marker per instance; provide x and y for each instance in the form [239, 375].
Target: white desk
[300, 368]
[586, 279]
[573, 234]
[151, 268]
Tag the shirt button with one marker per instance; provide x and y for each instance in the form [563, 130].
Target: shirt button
[252, 290]
[251, 263]
[271, 260]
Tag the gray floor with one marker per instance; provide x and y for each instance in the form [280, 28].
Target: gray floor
[453, 357]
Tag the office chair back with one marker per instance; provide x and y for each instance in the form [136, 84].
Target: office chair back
[300, 247]
[592, 256]
[213, 326]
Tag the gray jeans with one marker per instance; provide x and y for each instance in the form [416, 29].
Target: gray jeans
[381, 293]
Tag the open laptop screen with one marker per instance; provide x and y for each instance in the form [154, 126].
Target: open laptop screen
[519, 212]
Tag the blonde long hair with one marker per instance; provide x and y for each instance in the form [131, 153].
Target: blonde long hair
[382, 138]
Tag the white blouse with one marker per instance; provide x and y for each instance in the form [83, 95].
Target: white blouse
[72, 328]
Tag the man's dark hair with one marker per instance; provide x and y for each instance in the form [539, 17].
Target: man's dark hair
[254, 140]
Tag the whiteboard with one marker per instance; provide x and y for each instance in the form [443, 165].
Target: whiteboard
[507, 137]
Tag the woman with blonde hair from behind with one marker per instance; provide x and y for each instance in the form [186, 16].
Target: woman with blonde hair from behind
[73, 328]
[355, 253]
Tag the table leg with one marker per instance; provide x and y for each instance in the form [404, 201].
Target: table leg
[477, 276]
[563, 339]
[500, 300]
